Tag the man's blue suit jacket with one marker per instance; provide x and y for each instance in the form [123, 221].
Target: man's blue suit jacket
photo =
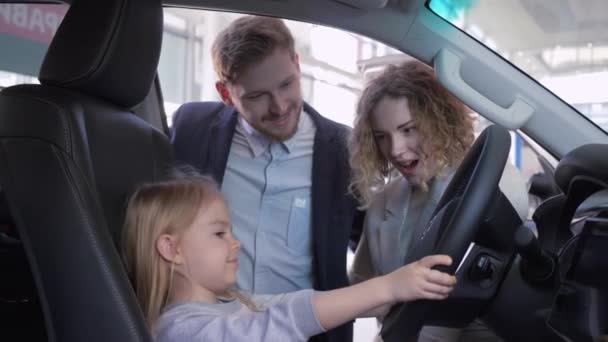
[202, 135]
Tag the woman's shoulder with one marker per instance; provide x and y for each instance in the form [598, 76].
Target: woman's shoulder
[389, 192]
[384, 201]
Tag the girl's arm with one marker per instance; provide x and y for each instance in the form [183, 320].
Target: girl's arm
[414, 281]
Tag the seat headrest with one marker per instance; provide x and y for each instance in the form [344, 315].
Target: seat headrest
[587, 161]
[106, 48]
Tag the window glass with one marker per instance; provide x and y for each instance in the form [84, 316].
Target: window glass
[173, 79]
[331, 82]
[332, 75]
[561, 44]
[335, 102]
[25, 33]
[337, 48]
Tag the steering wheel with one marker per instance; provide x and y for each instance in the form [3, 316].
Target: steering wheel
[460, 212]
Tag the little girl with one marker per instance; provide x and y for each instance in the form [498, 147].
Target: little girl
[183, 258]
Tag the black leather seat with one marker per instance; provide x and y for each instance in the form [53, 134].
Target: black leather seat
[71, 151]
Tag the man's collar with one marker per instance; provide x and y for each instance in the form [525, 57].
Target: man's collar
[304, 125]
[258, 142]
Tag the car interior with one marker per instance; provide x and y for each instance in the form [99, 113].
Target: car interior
[76, 144]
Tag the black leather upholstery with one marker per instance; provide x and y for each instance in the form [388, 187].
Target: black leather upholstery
[107, 49]
[71, 151]
[587, 161]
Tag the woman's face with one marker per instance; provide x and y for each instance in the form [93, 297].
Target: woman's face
[398, 139]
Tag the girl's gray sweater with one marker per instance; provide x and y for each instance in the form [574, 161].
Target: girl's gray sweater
[285, 317]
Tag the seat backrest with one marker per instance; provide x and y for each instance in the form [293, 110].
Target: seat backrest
[70, 153]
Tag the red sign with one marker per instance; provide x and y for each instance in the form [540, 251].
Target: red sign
[33, 22]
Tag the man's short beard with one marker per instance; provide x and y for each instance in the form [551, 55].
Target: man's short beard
[286, 136]
[298, 112]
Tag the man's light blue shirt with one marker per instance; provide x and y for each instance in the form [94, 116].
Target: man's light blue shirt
[268, 188]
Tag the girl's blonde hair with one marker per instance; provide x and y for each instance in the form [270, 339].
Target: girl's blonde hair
[167, 207]
[443, 122]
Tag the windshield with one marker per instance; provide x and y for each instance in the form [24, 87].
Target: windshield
[562, 44]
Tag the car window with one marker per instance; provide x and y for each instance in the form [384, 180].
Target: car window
[561, 44]
[528, 157]
[335, 66]
[25, 33]
[330, 60]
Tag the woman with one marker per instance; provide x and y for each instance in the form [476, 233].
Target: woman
[410, 135]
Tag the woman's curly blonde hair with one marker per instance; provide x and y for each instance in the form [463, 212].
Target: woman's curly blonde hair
[443, 122]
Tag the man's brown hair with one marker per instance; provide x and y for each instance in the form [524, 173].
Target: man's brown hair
[246, 41]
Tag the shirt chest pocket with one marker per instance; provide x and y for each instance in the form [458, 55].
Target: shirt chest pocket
[299, 234]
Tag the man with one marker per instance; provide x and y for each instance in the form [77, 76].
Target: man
[282, 166]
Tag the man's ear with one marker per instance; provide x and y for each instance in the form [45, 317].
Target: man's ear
[224, 93]
[167, 247]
